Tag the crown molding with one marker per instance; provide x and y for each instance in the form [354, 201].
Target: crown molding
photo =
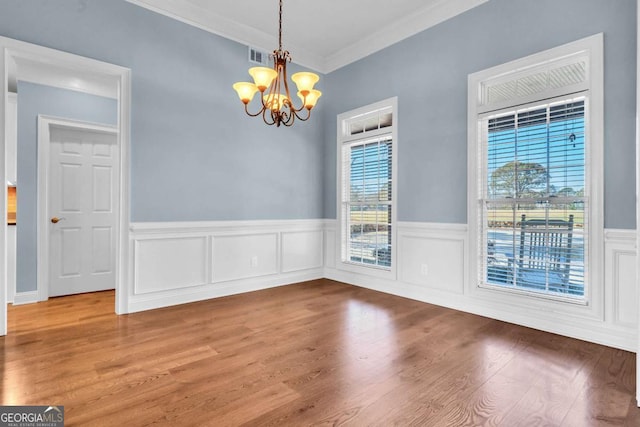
[204, 19]
[399, 30]
[214, 23]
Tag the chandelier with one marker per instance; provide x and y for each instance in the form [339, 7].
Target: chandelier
[277, 106]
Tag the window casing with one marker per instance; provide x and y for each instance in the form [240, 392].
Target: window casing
[367, 188]
[535, 183]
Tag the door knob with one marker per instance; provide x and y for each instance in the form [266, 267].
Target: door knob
[56, 220]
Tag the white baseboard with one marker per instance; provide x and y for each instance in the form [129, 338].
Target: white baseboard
[21, 298]
[200, 293]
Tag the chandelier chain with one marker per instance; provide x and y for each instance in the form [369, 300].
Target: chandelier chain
[280, 28]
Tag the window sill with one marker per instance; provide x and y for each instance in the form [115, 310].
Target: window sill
[580, 301]
[388, 273]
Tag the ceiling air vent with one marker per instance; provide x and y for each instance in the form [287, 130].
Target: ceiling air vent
[258, 56]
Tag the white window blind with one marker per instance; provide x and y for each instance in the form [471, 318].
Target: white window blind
[367, 200]
[534, 198]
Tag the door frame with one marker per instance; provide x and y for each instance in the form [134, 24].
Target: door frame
[45, 123]
[638, 195]
[69, 65]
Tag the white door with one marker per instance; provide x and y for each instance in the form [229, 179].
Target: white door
[83, 174]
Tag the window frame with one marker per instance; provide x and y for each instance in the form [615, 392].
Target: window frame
[591, 49]
[344, 139]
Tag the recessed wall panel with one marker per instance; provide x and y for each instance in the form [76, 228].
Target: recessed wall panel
[301, 251]
[171, 263]
[626, 295]
[243, 256]
[432, 262]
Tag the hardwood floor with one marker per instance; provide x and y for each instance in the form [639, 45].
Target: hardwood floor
[315, 353]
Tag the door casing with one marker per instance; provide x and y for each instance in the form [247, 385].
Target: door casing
[67, 67]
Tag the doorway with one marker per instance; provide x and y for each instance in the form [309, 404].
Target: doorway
[55, 68]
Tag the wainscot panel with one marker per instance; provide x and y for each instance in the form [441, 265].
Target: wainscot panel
[330, 246]
[170, 263]
[620, 271]
[432, 258]
[239, 257]
[298, 250]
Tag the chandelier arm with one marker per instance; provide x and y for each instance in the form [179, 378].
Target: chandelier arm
[246, 110]
[286, 83]
[264, 117]
[291, 106]
[303, 119]
[297, 110]
[285, 118]
[276, 91]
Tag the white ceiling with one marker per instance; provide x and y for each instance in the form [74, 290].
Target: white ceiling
[323, 35]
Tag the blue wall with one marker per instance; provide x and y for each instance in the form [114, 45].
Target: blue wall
[34, 100]
[428, 72]
[195, 155]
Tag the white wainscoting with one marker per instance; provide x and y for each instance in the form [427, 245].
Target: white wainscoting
[432, 267]
[176, 263]
[620, 280]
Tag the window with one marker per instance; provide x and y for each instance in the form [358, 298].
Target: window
[535, 169]
[367, 185]
[535, 191]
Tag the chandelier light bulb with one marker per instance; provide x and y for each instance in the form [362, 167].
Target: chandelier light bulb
[263, 76]
[310, 98]
[305, 81]
[245, 91]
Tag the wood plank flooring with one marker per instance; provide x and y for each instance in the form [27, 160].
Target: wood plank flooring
[314, 353]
